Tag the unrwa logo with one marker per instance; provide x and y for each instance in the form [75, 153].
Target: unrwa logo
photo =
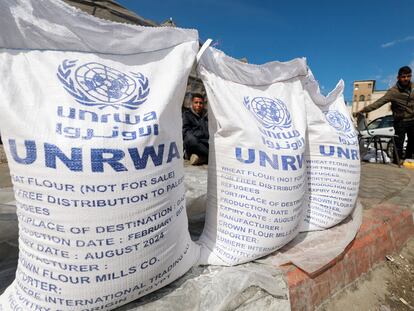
[95, 84]
[338, 121]
[271, 113]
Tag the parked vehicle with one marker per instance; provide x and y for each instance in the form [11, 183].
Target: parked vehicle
[382, 126]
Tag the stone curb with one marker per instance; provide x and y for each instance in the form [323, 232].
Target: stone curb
[384, 230]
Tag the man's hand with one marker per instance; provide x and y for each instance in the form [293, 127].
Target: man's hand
[355, 114]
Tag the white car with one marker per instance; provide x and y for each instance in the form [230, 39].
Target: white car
[382, 126]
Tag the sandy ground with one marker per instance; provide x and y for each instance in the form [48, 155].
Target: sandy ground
[387, 287]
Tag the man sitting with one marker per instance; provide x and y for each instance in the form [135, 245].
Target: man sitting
[195, 131]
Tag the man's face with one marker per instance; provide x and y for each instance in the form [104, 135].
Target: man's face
[404, 79]
[198, 105]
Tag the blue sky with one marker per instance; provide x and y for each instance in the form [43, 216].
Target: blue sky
[350, 40]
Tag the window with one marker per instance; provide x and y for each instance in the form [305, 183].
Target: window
[361, 98]
[369, 85]
[355, 98]
[356, 86]
[374, 124]
[387, 121]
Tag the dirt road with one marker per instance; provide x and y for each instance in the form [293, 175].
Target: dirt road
[388, 287]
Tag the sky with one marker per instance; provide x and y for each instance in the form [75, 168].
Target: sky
[349, 39]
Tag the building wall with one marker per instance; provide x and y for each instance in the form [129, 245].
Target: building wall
[364, 94]
[111, 10]
[380, 112]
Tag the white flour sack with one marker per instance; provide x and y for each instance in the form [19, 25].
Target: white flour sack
[256, 181]
[332, 158]
[91, 123]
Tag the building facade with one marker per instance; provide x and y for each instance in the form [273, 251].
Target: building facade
[364, 93]
[111, 10]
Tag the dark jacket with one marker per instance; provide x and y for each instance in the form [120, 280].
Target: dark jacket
[402, 103]
[195, 126]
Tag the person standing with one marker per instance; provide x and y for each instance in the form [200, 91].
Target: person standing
[401, 97]
[195, 131]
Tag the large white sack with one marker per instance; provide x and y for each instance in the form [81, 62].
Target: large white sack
[91, 124]
[256, 163]
[332, 158]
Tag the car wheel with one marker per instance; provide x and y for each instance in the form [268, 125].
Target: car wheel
[390, 150]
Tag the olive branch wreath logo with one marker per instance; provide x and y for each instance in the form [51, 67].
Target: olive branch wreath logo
[337, 120]
[286, 121]
[65, 73]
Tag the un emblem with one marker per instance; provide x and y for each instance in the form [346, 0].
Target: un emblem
[94, 84]
[272, 113]
[338, 121]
